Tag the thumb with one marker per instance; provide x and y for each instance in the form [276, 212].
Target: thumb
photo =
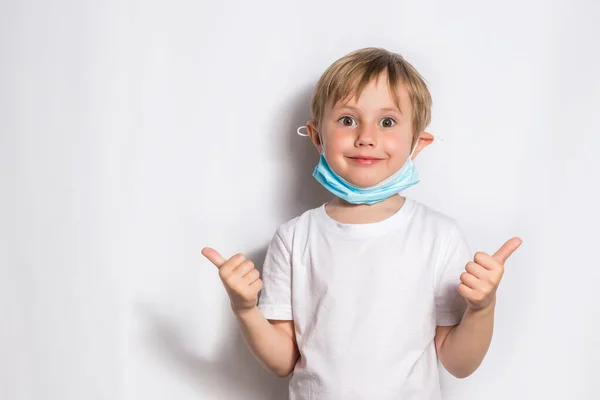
[507, 249]
[213, 256]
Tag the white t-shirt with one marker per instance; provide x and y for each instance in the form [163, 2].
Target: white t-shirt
[365, 300]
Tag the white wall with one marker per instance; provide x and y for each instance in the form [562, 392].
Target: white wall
[132, 134]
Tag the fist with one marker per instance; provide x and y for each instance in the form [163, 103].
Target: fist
[482, 276]
[240, 278]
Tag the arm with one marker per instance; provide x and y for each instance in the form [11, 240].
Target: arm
[272, 342]
[461, 348]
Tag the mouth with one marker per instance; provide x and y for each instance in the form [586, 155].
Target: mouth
[365, 160]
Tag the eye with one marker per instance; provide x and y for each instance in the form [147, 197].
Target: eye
[388, 122]
[345, 119]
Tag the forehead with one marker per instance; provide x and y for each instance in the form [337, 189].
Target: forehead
[377, 93]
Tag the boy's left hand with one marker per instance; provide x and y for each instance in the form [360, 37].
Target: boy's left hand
[483, 274]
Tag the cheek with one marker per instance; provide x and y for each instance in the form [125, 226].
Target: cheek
[336, 142]
[396, 148]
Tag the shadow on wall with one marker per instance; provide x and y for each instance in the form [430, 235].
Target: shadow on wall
[232, 373]
[235, 370]
[299, 157]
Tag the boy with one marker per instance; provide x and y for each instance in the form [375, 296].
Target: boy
[365, 293]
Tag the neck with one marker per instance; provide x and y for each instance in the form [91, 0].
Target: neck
[348, 213]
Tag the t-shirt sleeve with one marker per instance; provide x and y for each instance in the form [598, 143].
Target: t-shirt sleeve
[450, 305]
[275, 301]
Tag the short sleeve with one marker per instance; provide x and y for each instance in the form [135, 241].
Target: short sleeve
[449, 304]
[275, 301]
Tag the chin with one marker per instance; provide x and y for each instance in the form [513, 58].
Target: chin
[363, 181]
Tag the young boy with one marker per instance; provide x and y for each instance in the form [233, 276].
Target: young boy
[362, 295]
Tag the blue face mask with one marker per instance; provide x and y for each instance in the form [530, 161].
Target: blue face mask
[401, 180]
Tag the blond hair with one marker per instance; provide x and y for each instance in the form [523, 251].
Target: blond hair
[340, 79]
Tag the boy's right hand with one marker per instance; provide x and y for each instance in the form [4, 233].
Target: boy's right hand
[240, 278]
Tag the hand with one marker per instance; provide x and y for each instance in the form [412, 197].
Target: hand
[240, 278]
[483, 274]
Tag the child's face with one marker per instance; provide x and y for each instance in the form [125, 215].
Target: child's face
[368, 139]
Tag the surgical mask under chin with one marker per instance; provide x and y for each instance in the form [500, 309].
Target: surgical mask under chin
[401, 180]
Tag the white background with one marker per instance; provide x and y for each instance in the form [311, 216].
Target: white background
[134, 133]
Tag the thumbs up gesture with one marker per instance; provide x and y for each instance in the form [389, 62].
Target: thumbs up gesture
[240, 278]
[483, 274]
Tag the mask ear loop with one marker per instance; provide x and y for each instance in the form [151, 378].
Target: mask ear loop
[414, 148]
[300, 133]
[417, 143]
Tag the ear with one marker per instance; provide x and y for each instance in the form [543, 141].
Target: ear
[313, 133]
[425, 140]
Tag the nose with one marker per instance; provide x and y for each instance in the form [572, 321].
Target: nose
[365, 137]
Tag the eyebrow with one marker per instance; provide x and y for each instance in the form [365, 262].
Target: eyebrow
[381, 109]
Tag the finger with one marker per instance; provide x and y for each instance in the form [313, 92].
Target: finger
[242, 269]
[486, 261]
[257, 285]
[476, 270]
[227, 269]
[251, 276]
[465, 291]
[469, 280]
[213, 256]
[507, 249]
